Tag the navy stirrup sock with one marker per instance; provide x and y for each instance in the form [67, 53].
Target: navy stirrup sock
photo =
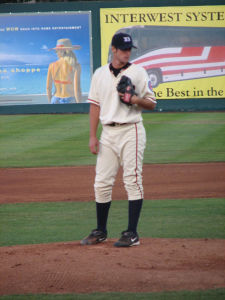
[102, 210]
[134, 214]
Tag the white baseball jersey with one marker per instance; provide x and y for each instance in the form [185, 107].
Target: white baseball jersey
[112, 110]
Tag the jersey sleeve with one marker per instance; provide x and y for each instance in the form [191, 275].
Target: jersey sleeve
[93, 97]
[147, 91]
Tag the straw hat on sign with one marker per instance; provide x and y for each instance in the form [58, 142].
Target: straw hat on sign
[65, 44]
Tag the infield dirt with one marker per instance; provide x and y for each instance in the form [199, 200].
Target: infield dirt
[161, 181]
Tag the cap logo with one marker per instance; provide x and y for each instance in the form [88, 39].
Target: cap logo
[126, 39]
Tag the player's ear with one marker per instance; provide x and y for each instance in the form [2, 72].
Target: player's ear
[113, 49]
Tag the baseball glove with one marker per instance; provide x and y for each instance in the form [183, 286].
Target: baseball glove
[126, 87]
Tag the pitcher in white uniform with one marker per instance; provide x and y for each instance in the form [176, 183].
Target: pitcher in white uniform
[122, 141]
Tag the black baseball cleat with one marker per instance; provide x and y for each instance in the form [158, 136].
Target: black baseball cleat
[128, 239]
[95, 237]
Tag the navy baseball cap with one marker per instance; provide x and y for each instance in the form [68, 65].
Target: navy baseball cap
[122, 41]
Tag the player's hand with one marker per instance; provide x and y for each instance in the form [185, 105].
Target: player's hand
[94, 145]
[132, 98]
[126, 90]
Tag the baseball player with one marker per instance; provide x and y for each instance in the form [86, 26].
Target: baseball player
[118, 93]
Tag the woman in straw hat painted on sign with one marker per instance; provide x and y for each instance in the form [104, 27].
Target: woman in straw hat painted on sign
[64, 74]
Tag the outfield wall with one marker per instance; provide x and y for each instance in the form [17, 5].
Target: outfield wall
[203, 104]
[189, 105]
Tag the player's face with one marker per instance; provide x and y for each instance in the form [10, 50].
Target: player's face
[121, 57]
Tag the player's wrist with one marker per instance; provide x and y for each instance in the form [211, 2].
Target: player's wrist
[134, 99]
[93, 137]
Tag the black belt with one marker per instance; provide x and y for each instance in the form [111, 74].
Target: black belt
[116, 124]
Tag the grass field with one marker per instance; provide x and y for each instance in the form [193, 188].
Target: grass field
[62, 140]
[217, 294]
[69, 221]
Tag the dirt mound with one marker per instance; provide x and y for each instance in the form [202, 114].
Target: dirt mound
[156, 265]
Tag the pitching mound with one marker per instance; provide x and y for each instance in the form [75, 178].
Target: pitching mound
[156, 265]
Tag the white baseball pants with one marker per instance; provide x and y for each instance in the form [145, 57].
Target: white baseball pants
[120, 145]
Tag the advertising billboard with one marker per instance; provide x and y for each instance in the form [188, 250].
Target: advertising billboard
[181, 48]
[45, 57]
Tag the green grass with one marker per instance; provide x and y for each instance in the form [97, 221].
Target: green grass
[35, 223]
[62, 140]
[217, 294]
[44, 140]
[185, 137]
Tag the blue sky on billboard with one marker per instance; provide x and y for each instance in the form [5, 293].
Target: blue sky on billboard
[27, 39]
